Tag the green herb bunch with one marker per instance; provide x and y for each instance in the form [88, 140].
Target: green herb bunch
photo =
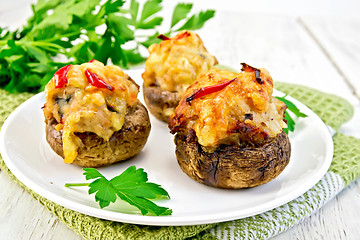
[75, 31]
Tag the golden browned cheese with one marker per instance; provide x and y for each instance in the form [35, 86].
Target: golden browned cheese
[175, 63]
[242, 112]
[82, 107]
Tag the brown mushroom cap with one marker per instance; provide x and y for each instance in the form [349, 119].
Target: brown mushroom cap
[96, 152]
[232, 166]
[161, 103]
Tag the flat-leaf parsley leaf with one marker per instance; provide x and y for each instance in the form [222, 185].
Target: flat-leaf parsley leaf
[295, 110]
[131, 186]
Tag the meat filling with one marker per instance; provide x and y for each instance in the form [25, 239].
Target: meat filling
[242, 111]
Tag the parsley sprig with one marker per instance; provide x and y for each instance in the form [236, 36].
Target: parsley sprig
[75, 31]
[131, 186]
[295, 110]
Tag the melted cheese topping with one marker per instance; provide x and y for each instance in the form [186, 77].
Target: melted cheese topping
[174, 64]
[81, 107]
[242, 112]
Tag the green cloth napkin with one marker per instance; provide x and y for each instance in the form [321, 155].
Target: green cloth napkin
[344, 169]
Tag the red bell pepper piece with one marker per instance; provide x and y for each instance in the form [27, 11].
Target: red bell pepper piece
[182, 35]
[96, 81]
[177, 37]
[60, 78]
[248, 68]
[208, 90]
[163, 37]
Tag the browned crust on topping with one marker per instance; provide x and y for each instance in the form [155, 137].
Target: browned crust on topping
[96, 152]
[233, 166]
[160, 102]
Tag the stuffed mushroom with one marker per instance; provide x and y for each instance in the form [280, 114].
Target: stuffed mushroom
[229, 129]
[171, 67]
[92, 114]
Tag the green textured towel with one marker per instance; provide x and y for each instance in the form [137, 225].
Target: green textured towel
[344, 169]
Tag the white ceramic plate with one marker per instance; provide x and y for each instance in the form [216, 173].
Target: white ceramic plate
[29, 157]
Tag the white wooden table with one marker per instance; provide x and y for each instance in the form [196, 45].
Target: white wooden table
[317, 47]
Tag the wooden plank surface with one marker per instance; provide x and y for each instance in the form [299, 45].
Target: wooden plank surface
[278, 43]
[340, 40]
[22, 217]
[284, 45]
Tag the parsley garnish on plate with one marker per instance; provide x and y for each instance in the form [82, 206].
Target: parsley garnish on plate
[295, 110]
[61, 32]
[131, 186]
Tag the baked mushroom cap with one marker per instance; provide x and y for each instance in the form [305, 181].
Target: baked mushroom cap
[229, 129]
[232, 166]
[95, 151]
[171, 67]
[161, 103]
[89, 98]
